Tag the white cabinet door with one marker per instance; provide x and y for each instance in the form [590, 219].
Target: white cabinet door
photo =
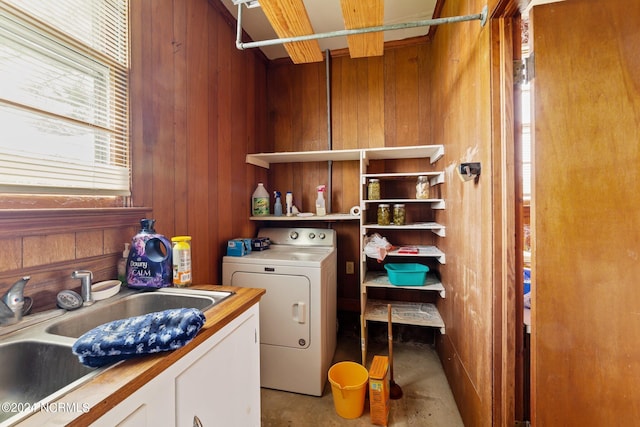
[222, 387]
[151, 405]
[218, 382]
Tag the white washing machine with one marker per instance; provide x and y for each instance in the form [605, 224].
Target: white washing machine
[298, 312]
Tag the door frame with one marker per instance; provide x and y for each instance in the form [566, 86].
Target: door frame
[508, 342]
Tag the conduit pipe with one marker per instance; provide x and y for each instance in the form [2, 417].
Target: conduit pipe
[482, 17]
[327, 60]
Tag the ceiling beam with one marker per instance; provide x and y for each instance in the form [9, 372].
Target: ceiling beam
[364, 14]
[289, 18]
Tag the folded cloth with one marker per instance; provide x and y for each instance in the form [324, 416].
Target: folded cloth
[126, 338]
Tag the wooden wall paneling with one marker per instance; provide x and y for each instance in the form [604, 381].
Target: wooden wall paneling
[227, 177]
[460, 110]
[425, 118]
[344, 104]
[193, 218]
[407, 97]
[159, 137]
[182, 47]
[390, 98]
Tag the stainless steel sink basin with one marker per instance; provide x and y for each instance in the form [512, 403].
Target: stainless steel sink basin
[86, 319]
[33, 370]
[36, 361]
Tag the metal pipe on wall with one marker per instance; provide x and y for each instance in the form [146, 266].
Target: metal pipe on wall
[482, 17]
[327, 61]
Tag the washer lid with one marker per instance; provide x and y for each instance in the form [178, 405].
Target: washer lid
[285, 255]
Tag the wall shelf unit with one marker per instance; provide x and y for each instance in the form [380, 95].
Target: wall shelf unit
[398, 192]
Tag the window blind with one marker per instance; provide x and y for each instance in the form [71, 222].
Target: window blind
[64, 117]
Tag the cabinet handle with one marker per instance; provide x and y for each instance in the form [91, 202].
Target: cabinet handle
[196, 421]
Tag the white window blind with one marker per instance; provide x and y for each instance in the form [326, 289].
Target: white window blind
[64, 118]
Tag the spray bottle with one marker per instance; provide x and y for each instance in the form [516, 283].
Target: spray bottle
[320, 204]
[277, 207]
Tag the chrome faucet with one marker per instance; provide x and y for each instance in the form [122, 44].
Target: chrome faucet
[13, 302]
[85, 277]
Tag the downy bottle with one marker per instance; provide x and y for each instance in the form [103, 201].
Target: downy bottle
[149, 262]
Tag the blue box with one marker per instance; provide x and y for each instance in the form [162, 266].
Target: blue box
[238, 247]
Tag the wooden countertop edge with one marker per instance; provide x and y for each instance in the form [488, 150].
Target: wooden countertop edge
[116, 383]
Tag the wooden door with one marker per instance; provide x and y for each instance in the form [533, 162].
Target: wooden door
[586, 213]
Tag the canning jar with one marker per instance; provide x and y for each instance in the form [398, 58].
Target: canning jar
[384, 214]
[422, 187]
[399, 215]
[373, 190]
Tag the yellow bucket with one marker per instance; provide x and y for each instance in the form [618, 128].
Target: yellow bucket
[348, 386]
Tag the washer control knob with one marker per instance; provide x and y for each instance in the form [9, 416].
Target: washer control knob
[322, 236]
[312, 236]
[293, 235]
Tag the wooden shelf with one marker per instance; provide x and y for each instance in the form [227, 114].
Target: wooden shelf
[433, 226]
[407, 313]
[265, 159]
[433, 152]
[435, 177]
[326, 218]
[380, 279]
[435, 203]
[423, 252]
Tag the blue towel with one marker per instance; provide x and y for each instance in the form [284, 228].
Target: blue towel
[126, 338]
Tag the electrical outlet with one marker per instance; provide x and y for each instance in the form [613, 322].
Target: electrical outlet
[350, 267]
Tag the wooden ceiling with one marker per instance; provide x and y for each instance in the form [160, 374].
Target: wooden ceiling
[291, 18]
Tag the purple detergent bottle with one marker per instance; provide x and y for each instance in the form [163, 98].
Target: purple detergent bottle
[149, 262]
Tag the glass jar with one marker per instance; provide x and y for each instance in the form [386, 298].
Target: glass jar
[384, 214]
[422, 187]
[399, 214]
[373, 189]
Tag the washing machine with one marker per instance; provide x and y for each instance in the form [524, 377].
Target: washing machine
[298, 312]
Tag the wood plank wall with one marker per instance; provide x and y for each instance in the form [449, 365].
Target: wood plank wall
[461, 120]
[198, 109]
[428, 93]
[375, 102]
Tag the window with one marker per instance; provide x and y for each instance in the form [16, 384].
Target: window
[526, 119]
[64, 118]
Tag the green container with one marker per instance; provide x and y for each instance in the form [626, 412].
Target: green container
[407, 274]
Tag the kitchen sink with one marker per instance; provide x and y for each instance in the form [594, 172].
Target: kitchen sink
[37, 364]
[33, 370]
[138, 304]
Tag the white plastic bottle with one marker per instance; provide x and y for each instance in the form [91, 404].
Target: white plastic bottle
[122, 264]
[320, 204]
[260, 201]
[289, 203]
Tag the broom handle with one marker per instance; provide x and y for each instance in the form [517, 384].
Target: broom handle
[390, 338]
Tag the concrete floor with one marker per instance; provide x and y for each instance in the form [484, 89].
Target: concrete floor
[426, 401]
